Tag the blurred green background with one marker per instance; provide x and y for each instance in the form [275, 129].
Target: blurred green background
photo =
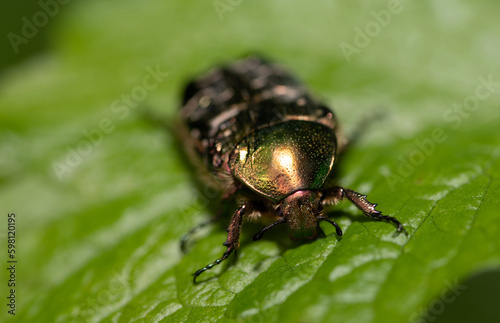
[102, 195]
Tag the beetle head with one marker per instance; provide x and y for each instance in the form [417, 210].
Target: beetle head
[301, 211]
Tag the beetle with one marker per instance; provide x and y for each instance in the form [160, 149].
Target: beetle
[265, 142]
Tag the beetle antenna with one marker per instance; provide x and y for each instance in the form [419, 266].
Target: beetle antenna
[259, 234]
[337, 227]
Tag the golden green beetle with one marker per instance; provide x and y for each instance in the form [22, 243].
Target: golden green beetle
[262, 140]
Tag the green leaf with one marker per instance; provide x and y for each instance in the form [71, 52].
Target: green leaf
[102, 195]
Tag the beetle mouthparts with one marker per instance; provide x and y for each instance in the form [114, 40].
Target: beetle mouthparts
[301, 210]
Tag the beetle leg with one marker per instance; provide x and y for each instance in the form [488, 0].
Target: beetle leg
[187, 236]
[337, 227]
[345, 143]
[259, 234]
[338, 193]
[233, 238]
[220, 212]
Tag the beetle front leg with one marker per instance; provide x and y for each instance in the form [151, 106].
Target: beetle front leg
[338, 193]
[233, 238]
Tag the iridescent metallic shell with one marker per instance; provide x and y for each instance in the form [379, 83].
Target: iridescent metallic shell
[257, 107]
[290, 156]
